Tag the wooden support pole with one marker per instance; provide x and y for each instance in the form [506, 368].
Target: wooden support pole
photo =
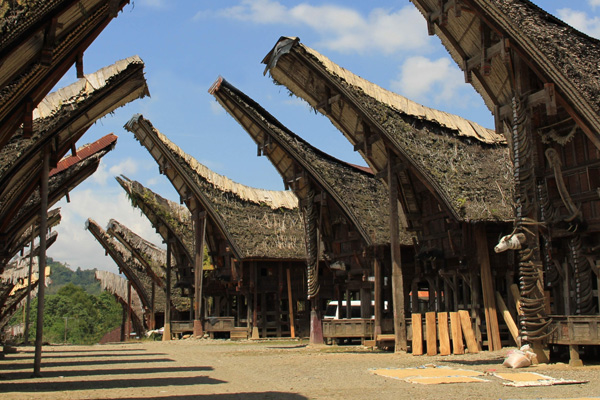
[29, 273]
[291, 303]
[378, 297]
[128, 322]
[39, 334]
[254, 285]
[167, 327]
[152, 307]
[199, 231]
[397, 279]
[487, 286]
[467, 328]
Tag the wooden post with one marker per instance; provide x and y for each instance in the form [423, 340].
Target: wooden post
[487, 285]
[199, 231]
[128, 322]
[39, 334]
[152, 307]
[30, 272]
[378, 298]
[397, 279]
[254, 285]
[167, 327]
[291, 303]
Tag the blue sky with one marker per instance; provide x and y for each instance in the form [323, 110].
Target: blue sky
[186, 45]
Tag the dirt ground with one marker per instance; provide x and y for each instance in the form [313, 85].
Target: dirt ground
[221, 369]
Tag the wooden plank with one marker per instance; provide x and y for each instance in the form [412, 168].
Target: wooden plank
[417, 335]
[512, 327]
[431, 332]
[444, 335]
[487, 287]
[467, 328]
[457, 338]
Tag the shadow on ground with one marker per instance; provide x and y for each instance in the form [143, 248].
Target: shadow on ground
[103, 372]
[229, 396]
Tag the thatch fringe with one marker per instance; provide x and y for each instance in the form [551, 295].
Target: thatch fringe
[117, 286]
[272, 198]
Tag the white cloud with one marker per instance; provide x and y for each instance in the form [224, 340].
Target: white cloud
[153, 3]
[76, 246]
[341, 28]
[216, 108]
[126, 167]
[422, 79]
[594, 3]
[581, 20]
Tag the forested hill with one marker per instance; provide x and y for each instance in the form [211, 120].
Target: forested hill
[61, 275]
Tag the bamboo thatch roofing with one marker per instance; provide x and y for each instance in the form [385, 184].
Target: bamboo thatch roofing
[54, 218]
[128, 266]
[462, 164]
[117, 286]
[255, 223]
[559, 53]
[363, 199]
[171, 220]
[62, 180]
[14, 281]
[38, 44]
[153, 259]
[62, 118]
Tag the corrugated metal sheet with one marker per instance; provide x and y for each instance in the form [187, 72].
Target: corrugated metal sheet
[85, 151]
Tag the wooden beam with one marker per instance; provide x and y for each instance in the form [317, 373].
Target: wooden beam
[167, 325]
[457, 338]
[431, 332]
[397, 278]
[444, 334]
[417, 334]
[291, 303]
[510, 323]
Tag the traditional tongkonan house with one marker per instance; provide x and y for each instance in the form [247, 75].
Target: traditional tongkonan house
[39, 41]
[133, 312]
[451, 179]
[254, 239]
[133, 270]
[173, 223]
[16, 284]
[154, 260]
[538, 76]
[59, 122]
[345, 208]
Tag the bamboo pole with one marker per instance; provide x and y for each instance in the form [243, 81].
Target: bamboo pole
[39, 334]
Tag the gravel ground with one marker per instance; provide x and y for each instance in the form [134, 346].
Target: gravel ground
[221, 369]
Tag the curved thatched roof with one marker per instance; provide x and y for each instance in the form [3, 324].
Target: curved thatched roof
[151, 257]
[363, 199]
[39, 42]
[559, 53]
[14, 281]
[69, 173]
[117, 286]
[128, 266]
[61, 119]
[256, 223]
[466, 167]
[170, 219]
[54, 218]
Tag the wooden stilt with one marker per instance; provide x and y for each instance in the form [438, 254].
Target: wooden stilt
[152, 307]
[199, 233]
[397, 278]
[128, 322]
[167, 326]
[39, 334]
[29, 273]
[378, 297]
[291, 303]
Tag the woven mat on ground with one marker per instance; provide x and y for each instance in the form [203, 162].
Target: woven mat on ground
[523, 379]
[431, 375]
